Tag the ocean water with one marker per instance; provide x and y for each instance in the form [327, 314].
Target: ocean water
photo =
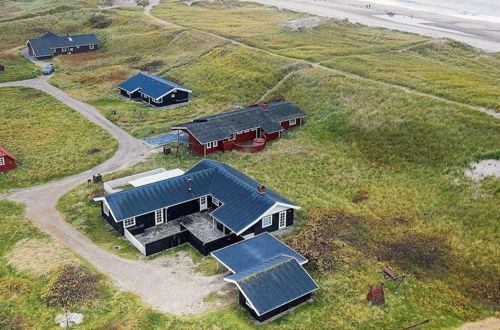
[486, 10]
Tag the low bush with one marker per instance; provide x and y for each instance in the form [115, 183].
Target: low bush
[70, 286]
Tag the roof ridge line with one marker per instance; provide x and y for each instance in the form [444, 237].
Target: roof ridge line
[289, 258]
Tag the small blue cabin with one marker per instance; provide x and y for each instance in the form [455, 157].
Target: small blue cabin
[268, 274]
[154, 90]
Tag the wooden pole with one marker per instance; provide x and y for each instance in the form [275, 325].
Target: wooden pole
[415, 325]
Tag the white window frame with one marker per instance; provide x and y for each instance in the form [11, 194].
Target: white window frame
[232, 137]
[129, 222]
[292, 122]
[71, 49]
[215, 201]
[105, 209]
[282, 216]
[172, 95]
[91, 46]
[159, 217]
[2, 161]
[267, 218]
[213, 144]
[64, 49]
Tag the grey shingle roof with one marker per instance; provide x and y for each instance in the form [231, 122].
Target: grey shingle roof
[221, 126]
[150, 85]
[242, 203]
[273, 283]
[245, 254]
[42, 46]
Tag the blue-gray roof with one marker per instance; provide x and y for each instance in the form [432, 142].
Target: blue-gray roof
[43, 46]
[150, 85]
[221, 126]
[245, 254]
[242, 203]
[273, 283]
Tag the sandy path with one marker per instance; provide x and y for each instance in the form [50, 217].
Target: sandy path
[491, 323]
[166, 284]
[153, 3]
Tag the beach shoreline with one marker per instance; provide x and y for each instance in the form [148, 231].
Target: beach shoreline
[484, 35]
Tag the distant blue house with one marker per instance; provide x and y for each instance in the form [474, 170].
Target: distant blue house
[268, 274]
[154, 90]
[211, 206]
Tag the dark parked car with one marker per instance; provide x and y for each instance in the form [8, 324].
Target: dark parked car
[49, 69]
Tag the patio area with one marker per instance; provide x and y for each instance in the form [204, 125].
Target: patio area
[158, 232]
[201, 225]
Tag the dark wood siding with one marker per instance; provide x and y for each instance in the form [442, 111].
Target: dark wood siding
[180, 210]
[145, 220]
[176, 97]
[257, 227]
[117, 225]
[276, 311]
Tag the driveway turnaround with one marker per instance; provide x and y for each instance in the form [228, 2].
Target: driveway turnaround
[167, 284]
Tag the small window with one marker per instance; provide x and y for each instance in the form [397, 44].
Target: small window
[172, 95]
[158, 217]
[105, 209]
[71, 49]
[91, 47]
[63, 49]
[267, 221]
[292, 122]
[232, 137]
[129, 222]
[159, 100]
[2, 161]
[215, 201]
[212, 144]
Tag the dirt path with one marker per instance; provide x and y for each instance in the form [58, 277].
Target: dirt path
[166, 284]
[491, 323]
[153, 3]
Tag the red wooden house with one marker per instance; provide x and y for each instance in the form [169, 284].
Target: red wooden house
[245, 129]
[7, 161]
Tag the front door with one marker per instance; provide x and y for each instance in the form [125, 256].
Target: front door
[203, 203]
[282, 219]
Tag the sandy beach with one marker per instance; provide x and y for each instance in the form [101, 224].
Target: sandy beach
[484, 35]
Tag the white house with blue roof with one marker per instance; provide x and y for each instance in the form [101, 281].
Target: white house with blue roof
[268, 274]
[154, 90]
[211, 206]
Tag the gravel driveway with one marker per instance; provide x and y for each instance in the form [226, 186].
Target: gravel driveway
[167, 284]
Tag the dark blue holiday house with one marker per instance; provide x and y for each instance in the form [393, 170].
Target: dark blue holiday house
[210, 206]
[51, 44]
[154, 90]
[268, 274]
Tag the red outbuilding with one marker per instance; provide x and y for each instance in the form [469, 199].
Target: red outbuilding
[245, 130]
[7, 161]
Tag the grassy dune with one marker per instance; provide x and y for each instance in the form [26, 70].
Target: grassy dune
[49, 139]
[370, 52]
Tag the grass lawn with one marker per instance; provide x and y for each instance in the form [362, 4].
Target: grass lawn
[49, 139]
[16, 67]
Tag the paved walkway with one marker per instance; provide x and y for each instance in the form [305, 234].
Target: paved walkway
[166, 284]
